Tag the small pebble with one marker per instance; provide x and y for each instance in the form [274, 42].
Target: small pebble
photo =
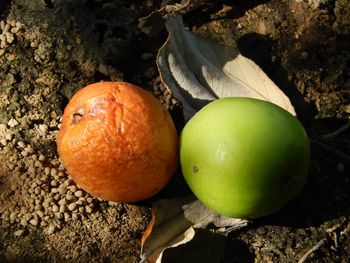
[78, 193]
[6, 27]
[3, 44]
[88, 209]
[18, 233]
[69, 197]
[42, 157]
[62, 190]
[11, 166]
[8, 136]
[31, 170]
[18, 24]
[45, 204]
[63, 208]
[33, 196]
[47, 170]
[3, 141]
[5, 217]
[44, 128]
[51, 229]
[9, 37]
[55, 208]
[54, 172]
[12, 23]
[29, 190]
[55, 162]
[63, 201]
[38, 181]
[29, 149]
[75, 216]
[37, 190]
[21, 145]
[66, 216]
[24, 222]
[34, 222]
[59, 215]
[31, 206]
[12, 123]
[27, 216]
[80, 201]
[57, 196]
[72, 206]
[40, 214]
[3, 38]
[38, 206]
[14, 30]
[73, 188]
[67, 182]
[2, 25]
[13, 216]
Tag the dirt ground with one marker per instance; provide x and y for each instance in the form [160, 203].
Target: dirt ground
[50, 49]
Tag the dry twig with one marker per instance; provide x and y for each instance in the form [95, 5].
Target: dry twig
[331, 149]
[309, 253]
[337, 132]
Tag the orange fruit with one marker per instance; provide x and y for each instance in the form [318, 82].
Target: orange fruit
[117, 142]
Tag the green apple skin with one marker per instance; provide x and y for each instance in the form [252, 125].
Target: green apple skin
[243, 157]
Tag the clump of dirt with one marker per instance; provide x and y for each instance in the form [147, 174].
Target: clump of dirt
[50, 49]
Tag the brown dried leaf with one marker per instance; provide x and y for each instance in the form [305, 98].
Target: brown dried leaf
[174, 222]
[198, 70]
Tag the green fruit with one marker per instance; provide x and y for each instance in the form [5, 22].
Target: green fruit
[244, 157]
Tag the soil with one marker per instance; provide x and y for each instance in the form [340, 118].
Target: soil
[50, 49]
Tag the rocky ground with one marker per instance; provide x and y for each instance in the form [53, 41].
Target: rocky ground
[50, 49]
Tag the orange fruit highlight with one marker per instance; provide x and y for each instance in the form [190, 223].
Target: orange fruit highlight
[117, 142]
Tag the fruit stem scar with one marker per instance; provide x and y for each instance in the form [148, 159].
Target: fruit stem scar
[77, 117]
[195, 169]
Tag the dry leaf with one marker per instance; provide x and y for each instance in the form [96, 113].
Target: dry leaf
[198, 70]
[174, 223]
[167, 226]
[201, 217]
